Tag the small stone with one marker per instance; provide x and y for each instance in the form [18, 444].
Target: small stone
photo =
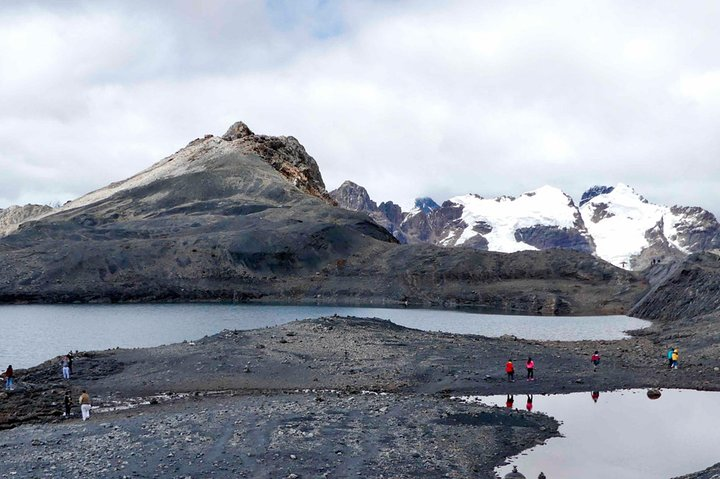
[293, 456]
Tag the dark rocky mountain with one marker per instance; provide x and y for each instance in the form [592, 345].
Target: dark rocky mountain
[246, 217]
[593, 192]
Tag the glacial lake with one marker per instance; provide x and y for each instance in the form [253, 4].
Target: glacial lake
[32, 334]
[621, 434]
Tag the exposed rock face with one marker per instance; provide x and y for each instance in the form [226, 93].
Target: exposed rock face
[13, 216]
[245, 217]
[285, 154]
[593, 192]
[547, 237]
[684, 289]
[354, 197]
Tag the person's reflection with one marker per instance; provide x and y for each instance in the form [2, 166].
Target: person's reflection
[509, 401]
[529, 404]
[595, 395]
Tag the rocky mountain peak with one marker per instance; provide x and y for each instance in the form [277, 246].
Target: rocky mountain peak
[285, 154]
[236, 131]
[353, 197]
[426, 204]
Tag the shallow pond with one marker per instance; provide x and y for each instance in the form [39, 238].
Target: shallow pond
[622, 434]
[32, 334]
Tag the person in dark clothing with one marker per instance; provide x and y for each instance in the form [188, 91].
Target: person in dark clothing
[70, 358]
[67, 403]
[9, 378]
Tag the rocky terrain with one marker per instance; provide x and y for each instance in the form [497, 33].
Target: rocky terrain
[333, 396]
[13, 216]
[246, 217]
[614, 223]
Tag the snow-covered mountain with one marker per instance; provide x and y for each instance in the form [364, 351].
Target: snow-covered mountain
[614, 223]
[629, 231]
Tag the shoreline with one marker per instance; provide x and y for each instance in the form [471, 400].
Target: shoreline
[318, 362]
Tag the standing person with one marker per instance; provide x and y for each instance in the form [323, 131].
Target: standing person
[595, 359]
[529, 405]
[70, 358]
[510, 370]
[66, 404]
[530, 365]
[65, 367]
[669, 356]
[675, 357]
[9, 378]
[85, 405]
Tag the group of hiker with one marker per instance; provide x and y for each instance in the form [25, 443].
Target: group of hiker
[66, 362]
[673, 355]
[529, 366]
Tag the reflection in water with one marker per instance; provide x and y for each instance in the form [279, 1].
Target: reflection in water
[509, 401]
[629, 432]
[529, 405]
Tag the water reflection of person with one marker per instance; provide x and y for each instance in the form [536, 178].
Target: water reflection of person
[529, 405]
[509, 401]
[595, 395]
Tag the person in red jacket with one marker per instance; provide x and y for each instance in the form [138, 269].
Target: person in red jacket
[510, 370]
[595, 359]
[9, 378]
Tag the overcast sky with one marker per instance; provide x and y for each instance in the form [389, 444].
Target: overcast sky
[407, 98]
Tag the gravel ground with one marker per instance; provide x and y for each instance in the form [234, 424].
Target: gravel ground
[329, 397]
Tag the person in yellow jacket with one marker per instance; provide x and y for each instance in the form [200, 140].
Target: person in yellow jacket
[85, 405]
[675, 357]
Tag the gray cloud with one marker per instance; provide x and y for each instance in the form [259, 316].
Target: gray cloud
[407, 98]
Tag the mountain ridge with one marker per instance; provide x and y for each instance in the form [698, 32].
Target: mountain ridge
[613, 222]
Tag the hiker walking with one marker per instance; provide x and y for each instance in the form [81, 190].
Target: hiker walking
[595, 359]
[675, 356]
[530, 366]
[510, 370]
[669, 357]
[9, 377]
[66, 404]
[65, 362]
[85, 405]
[69, 356]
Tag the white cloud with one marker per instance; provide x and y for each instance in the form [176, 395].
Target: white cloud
[406, 98]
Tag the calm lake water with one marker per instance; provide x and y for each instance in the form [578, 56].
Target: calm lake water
[622, 435]
[32, 334]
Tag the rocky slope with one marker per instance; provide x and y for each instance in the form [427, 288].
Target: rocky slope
[684, 290]
[614, 223]
[246, 217]
[13, 216]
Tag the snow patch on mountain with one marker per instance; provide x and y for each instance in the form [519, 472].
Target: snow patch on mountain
[547, 206]
[621, 223]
